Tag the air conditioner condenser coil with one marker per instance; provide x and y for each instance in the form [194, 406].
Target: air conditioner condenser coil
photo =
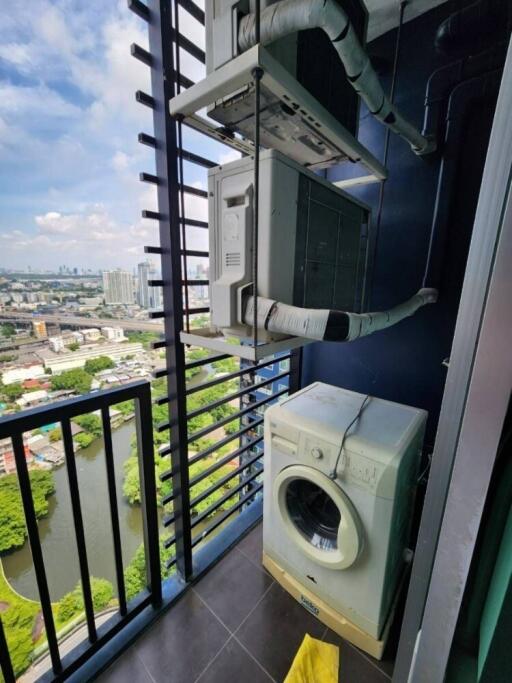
[313, 242]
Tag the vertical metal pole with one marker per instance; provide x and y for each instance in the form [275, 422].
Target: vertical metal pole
[35, 547]
[256, 74]
[163, 89]
[294, 381]
[181, 175]
[5, 659]
[114, 510]
[78, 522]
[148, 491]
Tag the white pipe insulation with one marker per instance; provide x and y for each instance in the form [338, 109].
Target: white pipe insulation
[289, 16]
[328, 325]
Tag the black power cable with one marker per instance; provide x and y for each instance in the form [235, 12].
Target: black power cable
[333, 475]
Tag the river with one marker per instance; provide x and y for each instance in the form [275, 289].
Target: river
[56, 529]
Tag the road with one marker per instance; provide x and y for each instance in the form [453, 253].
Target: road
[79, 321]
[66, 645]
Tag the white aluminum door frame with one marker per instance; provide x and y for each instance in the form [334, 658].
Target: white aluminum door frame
[474, 405]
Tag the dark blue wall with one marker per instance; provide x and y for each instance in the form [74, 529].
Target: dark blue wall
[404, 363]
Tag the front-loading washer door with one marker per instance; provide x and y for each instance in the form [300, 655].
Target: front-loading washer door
[318, 516]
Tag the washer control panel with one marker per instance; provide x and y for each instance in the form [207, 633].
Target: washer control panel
[311, 450]
[362, 469]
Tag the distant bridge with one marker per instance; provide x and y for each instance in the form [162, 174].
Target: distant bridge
[78, 321]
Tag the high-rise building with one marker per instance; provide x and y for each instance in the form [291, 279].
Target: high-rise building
[118, 287]
[143, 294]
[155, 293]
[147, 296]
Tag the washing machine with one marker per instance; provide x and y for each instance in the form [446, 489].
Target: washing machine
[340, 477]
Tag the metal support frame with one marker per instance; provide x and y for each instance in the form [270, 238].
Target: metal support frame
[477, 393]
[163, 88]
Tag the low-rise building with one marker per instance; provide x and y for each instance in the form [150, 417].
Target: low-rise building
[21, 373]
[78, 359]
[7, 461]
[56, 344]
[91, 301]
[32, 398]
[62, 341]
[91, 334]
[113, 333]
[77, 337]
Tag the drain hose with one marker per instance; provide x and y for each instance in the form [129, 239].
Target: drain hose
[330, 325]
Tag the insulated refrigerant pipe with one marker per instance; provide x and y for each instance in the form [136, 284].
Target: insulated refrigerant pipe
[289, 16]
[330, 325]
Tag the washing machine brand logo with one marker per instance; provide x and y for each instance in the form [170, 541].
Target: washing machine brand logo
[310, 606]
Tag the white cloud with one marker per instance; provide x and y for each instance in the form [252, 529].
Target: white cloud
[120, 161]
[93, 231]
[15, 53]
[68, 127]
[34, 101]
[229, 155]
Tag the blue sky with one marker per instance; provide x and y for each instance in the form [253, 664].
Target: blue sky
[69, 157]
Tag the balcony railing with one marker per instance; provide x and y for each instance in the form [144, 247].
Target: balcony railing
[201, 523]
[14, 427]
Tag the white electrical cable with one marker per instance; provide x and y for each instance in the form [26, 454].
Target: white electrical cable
[289, 16]
[329, 325]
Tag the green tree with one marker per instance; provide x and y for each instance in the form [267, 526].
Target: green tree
[144, 337]
[12, 520]
[72, 603]
[232, 426]
[83, 439]
[131, 482]
[55, 434]
[12, 391]
[227, 365]
[18, 622]
[8, 330]
[77, 380]
[126, 408]
[90, 423]
[135, 573]
[94, 365]
[74, 346]
[102, 593]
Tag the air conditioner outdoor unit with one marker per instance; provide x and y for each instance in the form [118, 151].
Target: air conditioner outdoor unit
[313, 251]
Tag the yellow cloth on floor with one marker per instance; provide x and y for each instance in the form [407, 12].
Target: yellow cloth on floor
[315, 662]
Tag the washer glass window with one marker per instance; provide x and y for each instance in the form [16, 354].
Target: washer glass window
[314, 513]
[318, 516]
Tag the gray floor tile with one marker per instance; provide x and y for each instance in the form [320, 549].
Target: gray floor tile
[128, 667]
[356, 665]
[252, 545]
[180, 645]
[275, 629]
[232, 588]
[234, 665]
